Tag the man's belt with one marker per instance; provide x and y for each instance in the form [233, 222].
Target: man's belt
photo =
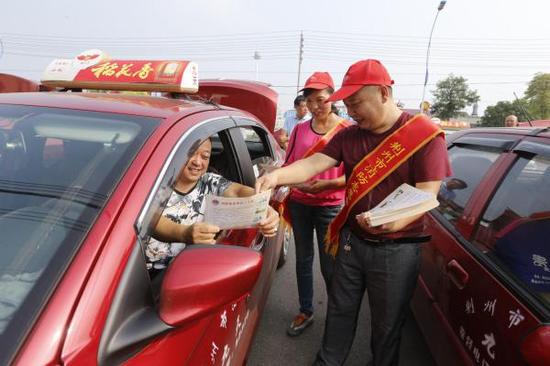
[403, 240]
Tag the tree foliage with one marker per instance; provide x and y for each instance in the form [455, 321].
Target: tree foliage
[494, 115]
[538, 96]
[451, 96]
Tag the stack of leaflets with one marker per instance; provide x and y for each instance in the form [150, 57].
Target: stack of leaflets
[405, 201]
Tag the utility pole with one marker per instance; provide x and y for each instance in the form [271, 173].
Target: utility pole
[300, 58]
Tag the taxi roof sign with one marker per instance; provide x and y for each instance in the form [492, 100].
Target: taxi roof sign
[93, 69]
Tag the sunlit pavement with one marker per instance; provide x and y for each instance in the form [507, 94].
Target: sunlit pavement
[273, 347]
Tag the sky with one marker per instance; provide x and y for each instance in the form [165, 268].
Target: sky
[498, 46]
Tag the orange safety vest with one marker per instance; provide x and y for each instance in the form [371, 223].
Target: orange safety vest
[393, 151]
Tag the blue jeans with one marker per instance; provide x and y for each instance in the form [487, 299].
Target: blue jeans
[305, 219]
[388, 272]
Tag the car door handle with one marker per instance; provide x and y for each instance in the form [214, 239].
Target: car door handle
[457, 274]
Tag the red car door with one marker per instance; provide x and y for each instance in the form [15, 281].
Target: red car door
[468, 313]
[117, 319]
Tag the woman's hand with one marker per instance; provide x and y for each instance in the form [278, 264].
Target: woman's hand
[319, 185]
[201, 233]
[316, 186]
[268, 226]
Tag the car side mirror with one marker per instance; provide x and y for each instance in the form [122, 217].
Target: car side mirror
[202, 278]
[535, 347]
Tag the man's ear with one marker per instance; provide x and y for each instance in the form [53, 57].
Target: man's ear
[385, 93]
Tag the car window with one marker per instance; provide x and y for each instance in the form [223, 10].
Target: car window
[258, 147]
[515, 227]
[469, 166]
[57, 169]
[221, 162]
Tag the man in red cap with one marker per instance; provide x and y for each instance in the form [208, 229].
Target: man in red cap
[386, 148]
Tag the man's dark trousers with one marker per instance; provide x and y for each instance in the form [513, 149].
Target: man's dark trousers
[389, 273]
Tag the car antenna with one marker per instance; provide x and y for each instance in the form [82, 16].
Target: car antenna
[523, 110]
[210, 100]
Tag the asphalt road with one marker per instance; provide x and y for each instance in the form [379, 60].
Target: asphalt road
[273, 347]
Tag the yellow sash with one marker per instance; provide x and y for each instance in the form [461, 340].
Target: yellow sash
[393, 151]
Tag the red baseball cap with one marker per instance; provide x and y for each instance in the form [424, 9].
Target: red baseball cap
[361, 73]
[319, 80]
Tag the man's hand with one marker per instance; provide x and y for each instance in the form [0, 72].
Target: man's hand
[389, 227]
[268, 226]
[297, 172]
[265, 182]
[201, 233]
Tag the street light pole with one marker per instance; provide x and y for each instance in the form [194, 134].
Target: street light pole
[257, 57]
[439, 8]
[300, 58]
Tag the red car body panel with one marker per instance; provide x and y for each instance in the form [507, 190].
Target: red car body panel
[255, 97]
[536, 123]
[70, 327]
[14, 84]
[457, 291]
[110, 103]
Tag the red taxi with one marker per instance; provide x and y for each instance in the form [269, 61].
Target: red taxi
[484, 289]
[83, 179]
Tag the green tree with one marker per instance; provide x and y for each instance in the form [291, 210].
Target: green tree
[451, 96]
[538, 96]
[494, 115]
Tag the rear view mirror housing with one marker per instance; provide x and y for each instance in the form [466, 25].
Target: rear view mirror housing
[202, 278]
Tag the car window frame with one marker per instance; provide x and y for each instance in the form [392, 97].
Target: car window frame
[482, 193]
[527, 146]
[173, 164]
[464, 231]
[136, 282]
[240, 144]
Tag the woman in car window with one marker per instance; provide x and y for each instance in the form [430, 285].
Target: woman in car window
[313, 205]
[181, 221]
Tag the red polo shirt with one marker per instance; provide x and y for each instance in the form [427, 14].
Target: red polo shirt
[430, 163]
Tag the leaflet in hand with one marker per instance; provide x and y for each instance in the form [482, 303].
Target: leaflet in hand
[238, 212]
[405, 201]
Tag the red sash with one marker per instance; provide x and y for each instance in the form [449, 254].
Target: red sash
[282, 207]
[393, 151]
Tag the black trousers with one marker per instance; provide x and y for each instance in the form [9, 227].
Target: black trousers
[388, 272]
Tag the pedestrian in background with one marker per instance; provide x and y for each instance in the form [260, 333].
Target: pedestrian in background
[301, 114]
[387, 147]
[312, 205]
[511, 121]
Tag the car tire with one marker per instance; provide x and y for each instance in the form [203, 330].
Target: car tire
[287, 238]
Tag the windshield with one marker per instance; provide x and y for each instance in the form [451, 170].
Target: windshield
[57, 169]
